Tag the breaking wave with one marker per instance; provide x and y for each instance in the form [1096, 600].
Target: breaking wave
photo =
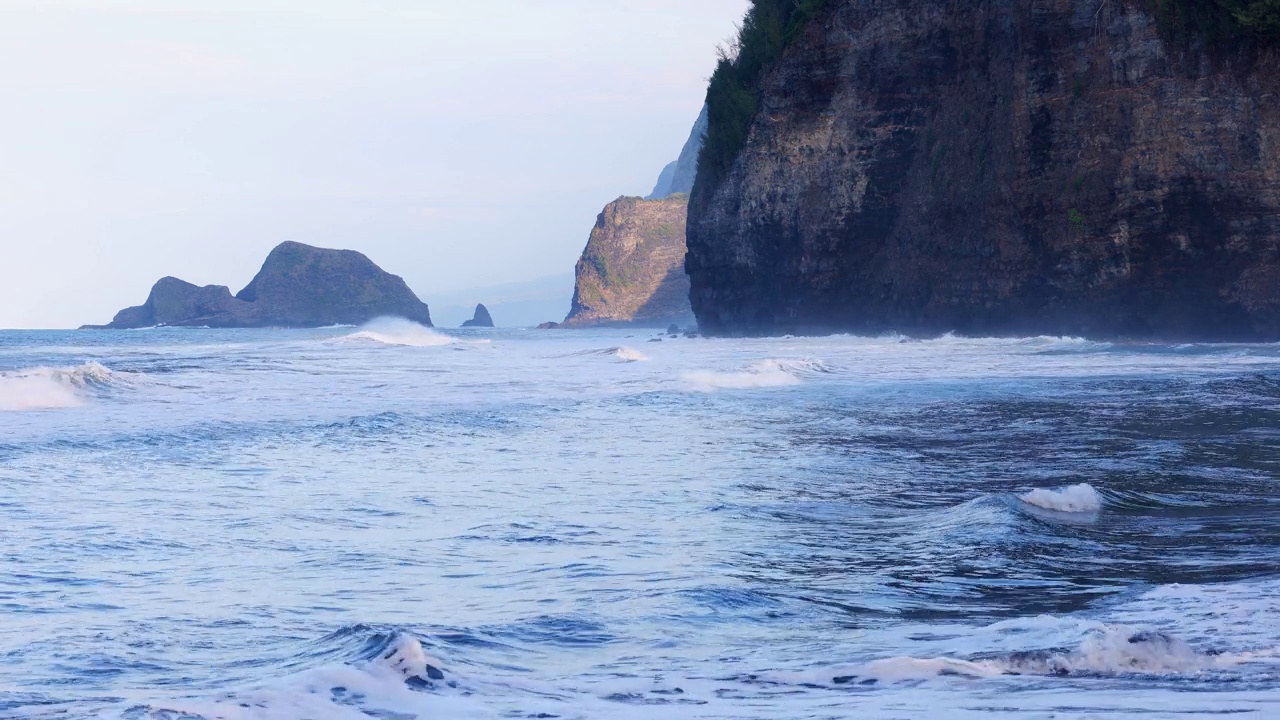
[394, 678]
[764, 373]
[621, 353]
[45, 388]
[1105, 651]
[398, 331]
[1081, 498]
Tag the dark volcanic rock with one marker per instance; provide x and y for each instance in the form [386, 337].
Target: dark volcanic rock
[1003, 167]
[177, 302]
[632, 271]
[481, 318]
[548, 325]
[298, 286]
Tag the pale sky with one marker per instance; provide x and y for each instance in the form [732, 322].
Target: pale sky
[458, 143]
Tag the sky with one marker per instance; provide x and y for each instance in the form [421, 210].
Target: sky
[458, 143]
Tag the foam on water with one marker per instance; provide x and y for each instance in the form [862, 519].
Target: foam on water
[398, 331]
[772, 372]
[43, 388]
[400, 681]
[1081, 498]
[626, 354]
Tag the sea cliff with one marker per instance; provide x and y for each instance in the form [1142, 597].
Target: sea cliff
[631, 271]
[1064, 167]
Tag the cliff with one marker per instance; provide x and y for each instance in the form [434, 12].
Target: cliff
[1006, 167]
[298, 286]
[678, 176]
[631, 272]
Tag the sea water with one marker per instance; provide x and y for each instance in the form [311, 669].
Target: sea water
[401, 523]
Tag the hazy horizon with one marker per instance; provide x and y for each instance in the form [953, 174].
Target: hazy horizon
[457, 146]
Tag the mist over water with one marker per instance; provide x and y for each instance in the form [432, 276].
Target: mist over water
[398, 522]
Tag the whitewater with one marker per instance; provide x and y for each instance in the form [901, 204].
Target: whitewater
[409, 523]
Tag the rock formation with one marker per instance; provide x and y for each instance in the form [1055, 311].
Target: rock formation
[481, 318]
[632, 270]
[298, 286]
[1003, 167]
[678, 175]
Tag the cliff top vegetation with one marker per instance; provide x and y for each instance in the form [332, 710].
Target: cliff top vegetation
[770, 26]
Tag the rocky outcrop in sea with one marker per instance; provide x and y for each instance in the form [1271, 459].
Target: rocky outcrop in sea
[1005, 167]
[481, 318]
[298, 286]
[632, 270]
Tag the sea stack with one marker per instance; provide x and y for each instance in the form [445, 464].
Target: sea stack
[298, 286]
[481, 318]
[632, 270]
[1012, 167]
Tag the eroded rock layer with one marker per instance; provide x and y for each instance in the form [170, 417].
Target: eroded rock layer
[1004, 167]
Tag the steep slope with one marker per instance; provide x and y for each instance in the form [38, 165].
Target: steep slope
[678, 175]
[631, 272]
[1008, 167]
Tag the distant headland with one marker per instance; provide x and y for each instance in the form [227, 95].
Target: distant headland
[298, 286]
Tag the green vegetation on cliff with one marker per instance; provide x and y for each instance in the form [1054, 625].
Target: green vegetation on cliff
[1219, 21]
[768, 28]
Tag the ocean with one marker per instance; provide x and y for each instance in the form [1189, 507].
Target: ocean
[400, 523]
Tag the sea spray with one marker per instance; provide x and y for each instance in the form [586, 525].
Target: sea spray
[771, 372]
[44, 388]
[398, 331]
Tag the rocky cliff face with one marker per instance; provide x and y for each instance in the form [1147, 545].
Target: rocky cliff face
[632, 272]
[678, 175]
[1005, 167]
[298, 286]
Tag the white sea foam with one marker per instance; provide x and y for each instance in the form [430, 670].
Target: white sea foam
[626, 354]
[43, 388]
[764, 373]
[1081, 498]
[401, 682]
[398, 331]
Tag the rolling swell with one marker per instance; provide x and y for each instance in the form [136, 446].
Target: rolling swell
[573, 537]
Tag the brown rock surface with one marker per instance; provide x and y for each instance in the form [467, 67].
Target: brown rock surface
[632, 270]
[1004, 167]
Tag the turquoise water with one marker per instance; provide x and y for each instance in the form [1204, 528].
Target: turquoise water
[398, 523]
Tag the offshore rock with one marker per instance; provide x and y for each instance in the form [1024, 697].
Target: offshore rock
[1012, 167]
[632, 272]
[298, 286]
[481, 318]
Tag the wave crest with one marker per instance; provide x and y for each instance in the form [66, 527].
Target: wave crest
[47, 388]
[772, 372]
[1081, 498]
[400, 332]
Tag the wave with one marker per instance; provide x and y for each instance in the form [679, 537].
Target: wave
[46, 388]
[621, 353]
[400, 332]
[1106, 651]
[394, 678]
[1081, 498]
[771, 372]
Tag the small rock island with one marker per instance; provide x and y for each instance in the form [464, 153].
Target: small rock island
[481, 318]
[298, 286]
